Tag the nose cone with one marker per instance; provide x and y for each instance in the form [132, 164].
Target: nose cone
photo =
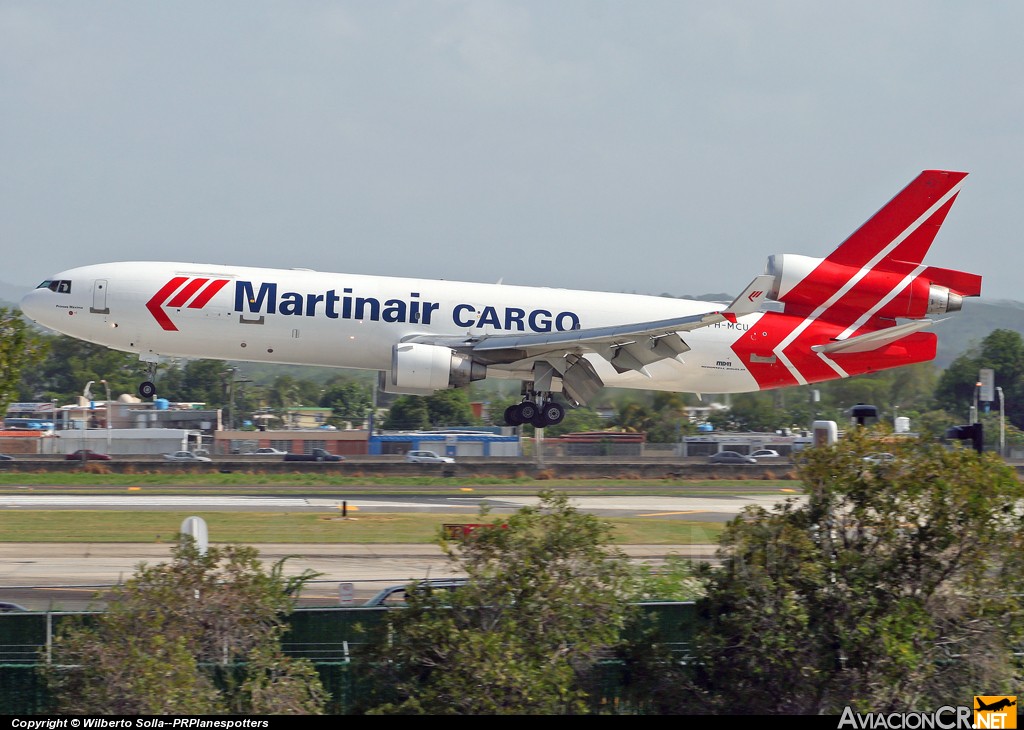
[49, 305]
[32, 305]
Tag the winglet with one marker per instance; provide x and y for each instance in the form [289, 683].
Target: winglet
[750, 299]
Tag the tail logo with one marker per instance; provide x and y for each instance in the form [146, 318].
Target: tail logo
[755, 295]
[182, 291]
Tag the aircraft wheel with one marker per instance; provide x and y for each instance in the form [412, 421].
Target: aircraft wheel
[528, 411]
[512, 416]
[553, 413]
[147, 389]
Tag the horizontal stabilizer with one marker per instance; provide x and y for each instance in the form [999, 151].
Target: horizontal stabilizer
[873, 340]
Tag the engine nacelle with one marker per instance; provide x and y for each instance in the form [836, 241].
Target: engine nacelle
[419, 369]
[886, 292]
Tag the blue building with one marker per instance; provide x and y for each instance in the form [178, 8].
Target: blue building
[451, 442]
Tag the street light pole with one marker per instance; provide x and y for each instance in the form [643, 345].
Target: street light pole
[87, 394]
[107, 413]
[1002, 424]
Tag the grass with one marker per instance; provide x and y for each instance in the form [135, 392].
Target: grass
[307, 527]
[298, 527]
[15, 482]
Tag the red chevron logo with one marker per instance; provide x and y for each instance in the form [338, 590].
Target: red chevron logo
[181, 291]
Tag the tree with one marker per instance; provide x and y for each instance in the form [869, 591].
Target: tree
[68, 364]
[20, 349]
[407, 413]
[449, 408]
[546, 597]
[198, 635]
[1003, 352]
[349, 400]
[895, 586]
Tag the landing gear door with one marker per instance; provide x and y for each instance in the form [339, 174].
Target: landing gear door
[99, 297]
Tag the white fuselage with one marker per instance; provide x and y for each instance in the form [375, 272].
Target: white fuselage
[163, 309]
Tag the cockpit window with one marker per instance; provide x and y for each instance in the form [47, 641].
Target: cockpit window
[60, 286]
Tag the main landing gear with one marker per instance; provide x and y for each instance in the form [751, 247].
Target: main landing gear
[536, 410]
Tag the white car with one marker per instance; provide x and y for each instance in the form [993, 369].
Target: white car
[267, 451]
[427, 457]
[765, 454]
[185, 456]
[880, 457]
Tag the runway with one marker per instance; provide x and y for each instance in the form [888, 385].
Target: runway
[66, 576]
[623, 506]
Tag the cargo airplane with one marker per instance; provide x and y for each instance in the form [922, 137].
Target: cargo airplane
[804, 320]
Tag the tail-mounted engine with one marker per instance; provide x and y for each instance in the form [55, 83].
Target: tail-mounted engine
[418, 369]
[888, 289]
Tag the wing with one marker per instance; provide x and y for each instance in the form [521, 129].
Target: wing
[627, 346]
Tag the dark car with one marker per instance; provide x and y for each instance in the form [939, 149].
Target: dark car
[8, 607]
[86, 455]
[394, 596]
[731, 457]
[314, 455]
[5, 457]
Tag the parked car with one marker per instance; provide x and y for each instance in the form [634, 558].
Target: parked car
[765, 454]
[731, 457]
[427, 457]
[880, 457]
[8, 607]
[185, 456]
[394, 596]
[6, 457]
[315, 455]
[86, 455]
[267, 451]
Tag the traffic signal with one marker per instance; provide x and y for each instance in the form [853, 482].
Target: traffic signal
[975, 432]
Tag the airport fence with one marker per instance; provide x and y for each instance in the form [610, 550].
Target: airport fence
[330, 638]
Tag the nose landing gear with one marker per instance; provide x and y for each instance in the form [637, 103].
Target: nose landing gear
[147, 389]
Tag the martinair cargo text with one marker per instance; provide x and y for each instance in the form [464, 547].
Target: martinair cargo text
[804, 320]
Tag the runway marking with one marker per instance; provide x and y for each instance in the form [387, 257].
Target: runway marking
[667, 514]
[167, 501]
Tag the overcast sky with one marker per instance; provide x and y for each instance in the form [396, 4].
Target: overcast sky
[652, 147]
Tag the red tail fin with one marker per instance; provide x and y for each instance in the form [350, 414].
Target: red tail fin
[877, 273]
[874, 277]
[905, 226]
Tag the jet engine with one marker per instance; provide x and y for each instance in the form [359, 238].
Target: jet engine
[420, 369]
[892, 289]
